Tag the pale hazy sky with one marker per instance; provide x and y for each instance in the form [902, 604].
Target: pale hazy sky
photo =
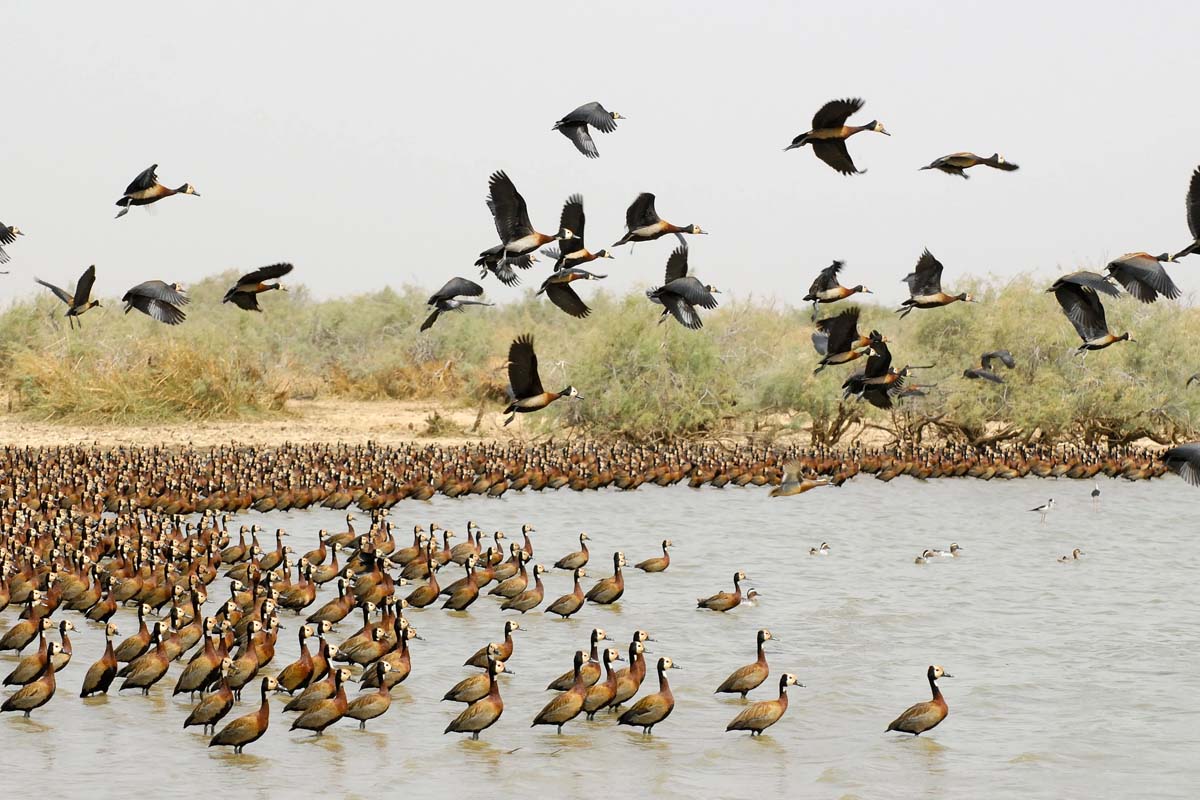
[356, 139]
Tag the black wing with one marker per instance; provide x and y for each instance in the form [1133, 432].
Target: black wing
[243, 300]
[157, 309]
[1005, 358]
[985, 374]
[512, 217]
[1185, 460]
[579, 136]
[1082, 306]
[1143, 277]
[1193, 205]
[62, 295]
[6, 234]
[265, 273]
[880, 360]
[145, 179]
[1092, 280]
[595, 115]
[523, 368]
[677, 264]
[682, 311]
[926, 277]
[572, 219]
[692, 290]
[457, 287]
[842, 330]
[834, 153]
[158, 290]
[432, 318]
[641, 212]
[834, 113]
[563, 296]
[827, 279]
[83, 289]
[820, 342]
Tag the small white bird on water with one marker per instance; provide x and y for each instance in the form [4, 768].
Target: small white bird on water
[1044, 509]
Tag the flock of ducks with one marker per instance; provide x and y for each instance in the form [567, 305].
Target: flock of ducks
[65, 559]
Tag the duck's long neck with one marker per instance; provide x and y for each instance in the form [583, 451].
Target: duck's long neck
[933, 687]
[762, 653]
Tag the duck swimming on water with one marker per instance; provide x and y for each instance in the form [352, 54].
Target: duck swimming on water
[922, 717]
[1074, 556]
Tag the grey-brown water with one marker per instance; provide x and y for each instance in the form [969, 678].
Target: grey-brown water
[1071, 680]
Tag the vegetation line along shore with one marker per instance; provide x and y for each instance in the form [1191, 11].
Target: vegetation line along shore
[752, 373]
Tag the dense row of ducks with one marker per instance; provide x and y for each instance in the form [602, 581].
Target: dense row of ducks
[370, 477]
[58, 561]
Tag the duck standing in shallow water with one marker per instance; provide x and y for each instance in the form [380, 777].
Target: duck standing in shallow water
[653, 708]
[922, 717]
[760, 716]
[724, 601]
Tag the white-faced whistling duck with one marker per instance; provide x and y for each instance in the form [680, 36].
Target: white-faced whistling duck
[1074, 556]
[653, 708]
[681, 293]
[658, 563]
[590, 670]
[36, 694]
[570, 603]
[643, 224]
[1184, 460]
[567, 705]
[609, 590]
[244, 294]
[838, 341]
[517, 234]
[503, 650]
[984, 370]
[8, 235]
[249, 728]
[79, 302]
[1077, 294]
[145, 189]
[525, 384]
[158, 300]
[32, 666]
[496, 261]
[723, 601]
[370, 705]
[483, 712]
[878, 382]
[573, 252]
[448, 297]
[575, 126]
[956, 163]
[577, 559]
[1044, 509]
[924, 557]
[100, 674]
[925, 716]
[823, 550]
[1193, 216]
[470, 689]
[758, 717]
[601, 693]
[794, 482]
[557, 287]
[744, 680]
[530, 598]
[1143, 276]
[830, 132]
[326, 712]
[925, 287]
[213, 706]
[826, 288]
[464, 594]
[148, 668]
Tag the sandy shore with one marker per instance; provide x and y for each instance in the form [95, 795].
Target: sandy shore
[306, 421]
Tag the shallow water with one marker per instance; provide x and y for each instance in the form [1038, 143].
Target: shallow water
[1070, 679]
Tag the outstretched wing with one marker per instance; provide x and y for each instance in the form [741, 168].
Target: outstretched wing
[563, 296]
[145, 180]
[267, 273]
[926, 277]
[458, 287]
[834, 113]
[523, 368]
[62, 295]
[827, 279]
[677, 264]
[682, 310]
[641, 212]
[83, 289]
[1185, 460]
[512, 217]
[579, 136]
[160, 290]
[572, 219]
[1092, 280]
[1193, 205]
[834, 153]
[1005, 358]
[842, 330]
[595, 115]
[1082, 306]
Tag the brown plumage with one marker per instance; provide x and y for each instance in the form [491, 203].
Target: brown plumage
[297, 674]
[148, 668]
[569, 604]
[100, 675]
[603, 692]
[575, 560]
[249, 728]
[34, 695]
[609, 590]
[723, 601]
[530, 598]
[589, 671]
[504, 649]
[566, 706]
[762, 715]
[468, 690]
[658, 563]
[482, 713]
[213, 707]
[653, 708]
[372, 704]
[746, 679]
[921, 717]
[326, 712]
